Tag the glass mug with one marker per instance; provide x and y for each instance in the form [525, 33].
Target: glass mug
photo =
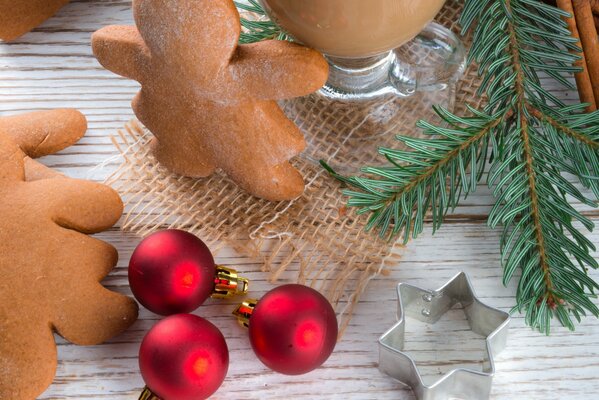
[388, 66]
[360, 39]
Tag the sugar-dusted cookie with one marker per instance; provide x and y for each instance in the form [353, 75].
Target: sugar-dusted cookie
[18, 17]
[210, 102]
[49, 268]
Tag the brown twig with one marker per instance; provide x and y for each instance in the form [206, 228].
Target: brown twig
[563, 128]
[583, 78]
[529, 161]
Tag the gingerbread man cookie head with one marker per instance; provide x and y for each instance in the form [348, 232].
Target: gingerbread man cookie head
[211, 103]
[182, 34]
[18, 17]
[49, 268]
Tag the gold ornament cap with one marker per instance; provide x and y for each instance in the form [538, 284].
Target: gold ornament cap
[244, 311]
[227, 283]
[147, 394]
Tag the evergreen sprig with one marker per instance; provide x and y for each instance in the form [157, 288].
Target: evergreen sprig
[526, 142]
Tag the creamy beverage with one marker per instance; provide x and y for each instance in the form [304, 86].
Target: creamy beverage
[353, 28]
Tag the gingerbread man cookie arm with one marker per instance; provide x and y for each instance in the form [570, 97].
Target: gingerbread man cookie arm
[277, 70]
[44, 132]
[83, 206]
[121, 50]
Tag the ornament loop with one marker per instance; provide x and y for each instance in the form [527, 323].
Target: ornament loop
[244, 311]
[227, 283]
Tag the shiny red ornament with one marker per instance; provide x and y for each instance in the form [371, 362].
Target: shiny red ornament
[183, 357]
[173, 272]
[293, 328]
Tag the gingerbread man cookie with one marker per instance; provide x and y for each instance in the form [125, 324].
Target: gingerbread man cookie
[18, 17]
[49, 268]
[210, 102]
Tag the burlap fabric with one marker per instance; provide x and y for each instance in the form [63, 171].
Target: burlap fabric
[314, 240]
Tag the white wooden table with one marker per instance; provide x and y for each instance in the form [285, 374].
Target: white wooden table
[54, 67]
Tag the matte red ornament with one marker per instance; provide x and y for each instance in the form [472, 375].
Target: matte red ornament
[293, 328]
[173, 272]
[183, 357]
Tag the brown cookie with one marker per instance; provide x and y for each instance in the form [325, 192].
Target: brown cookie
[18, 17]
[210, 102]
[49, 268]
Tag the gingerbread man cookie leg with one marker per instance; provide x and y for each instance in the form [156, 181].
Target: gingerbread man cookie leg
[79, 324]
[18, 17]
[210, 102]
[274, 70]
[27, 373]
[267, 174]
[181, 153]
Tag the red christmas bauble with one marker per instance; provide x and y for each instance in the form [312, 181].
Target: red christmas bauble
[184, 357]
[171, 272]
[293, 329]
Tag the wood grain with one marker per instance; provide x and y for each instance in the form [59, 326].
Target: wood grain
[53, 67]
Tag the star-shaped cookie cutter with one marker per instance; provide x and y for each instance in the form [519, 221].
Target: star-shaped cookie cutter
[428, 306]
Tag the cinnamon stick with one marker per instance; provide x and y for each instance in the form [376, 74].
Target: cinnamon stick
[583, 78]
[583, 13]
[594, 5]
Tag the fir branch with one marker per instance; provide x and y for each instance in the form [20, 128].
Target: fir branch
[434, 163]
[523, 141]
[533, 139]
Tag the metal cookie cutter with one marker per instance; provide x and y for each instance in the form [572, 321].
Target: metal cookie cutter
[428, 306]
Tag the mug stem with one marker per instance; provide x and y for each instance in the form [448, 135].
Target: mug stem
[433, 61]
[359, 78]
